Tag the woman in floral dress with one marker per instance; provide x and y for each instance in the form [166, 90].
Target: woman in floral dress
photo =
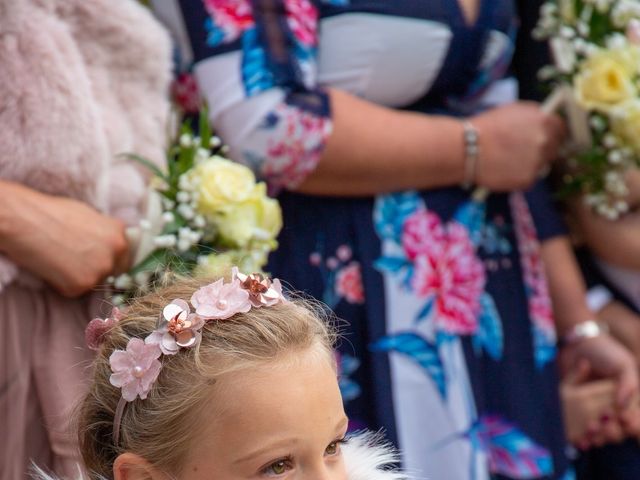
[350, 110]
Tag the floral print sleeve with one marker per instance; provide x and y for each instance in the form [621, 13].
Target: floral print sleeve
[255, 62]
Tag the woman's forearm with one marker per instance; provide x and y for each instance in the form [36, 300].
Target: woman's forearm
[374, 149]
[566, 284]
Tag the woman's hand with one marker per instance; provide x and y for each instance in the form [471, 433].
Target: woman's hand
[517, 143]
[65, 242]
[608, 359]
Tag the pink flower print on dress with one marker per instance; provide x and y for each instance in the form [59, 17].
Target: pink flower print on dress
[296, 152]
[233, 17]
[423, 233]
[219, 300]
[447, 269]
[344, 253]
[136, 369]
[186, 93]
[97, 328]
[177, 328]
[302, 18]
[349, 283]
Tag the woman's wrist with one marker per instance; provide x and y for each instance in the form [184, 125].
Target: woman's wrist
[585, 330]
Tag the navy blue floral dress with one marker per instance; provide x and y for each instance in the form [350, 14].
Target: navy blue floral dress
[450, 342]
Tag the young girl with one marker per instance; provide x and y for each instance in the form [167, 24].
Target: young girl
[226, 381]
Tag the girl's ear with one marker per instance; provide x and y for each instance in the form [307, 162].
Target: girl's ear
[129, 466]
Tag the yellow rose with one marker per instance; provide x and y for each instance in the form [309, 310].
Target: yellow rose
[257, 218]
[625, 123]
[219, 265]
[606, 79]
[221, 182]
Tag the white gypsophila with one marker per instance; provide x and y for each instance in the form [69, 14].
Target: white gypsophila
[165, 241]
[183, 197]
[168, 204]
[186, 183]
[186, 211]
[184, 244]
[616, 41]
[580, 45]
[186, 140]
[123, 282]
[564, 55]
[624, 11]
[199, 221]
[547, 73]
[615, 157]
[142, 278]
[168, 217]
[215, 142]
[583, 29]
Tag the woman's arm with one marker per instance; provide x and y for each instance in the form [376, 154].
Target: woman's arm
[373, 149]
[65, 242]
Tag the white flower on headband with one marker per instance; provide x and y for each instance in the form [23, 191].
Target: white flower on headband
[219, 300]
[177, 328]
[136, 369]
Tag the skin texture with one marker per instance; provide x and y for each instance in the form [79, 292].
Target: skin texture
[63, 241]
[283, 420]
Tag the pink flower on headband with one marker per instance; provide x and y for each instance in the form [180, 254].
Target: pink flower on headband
[177, 328]
[262, 291]
[97, 328]
[219, 300]
[136, 369]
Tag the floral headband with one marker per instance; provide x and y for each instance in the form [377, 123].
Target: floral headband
[136, 369]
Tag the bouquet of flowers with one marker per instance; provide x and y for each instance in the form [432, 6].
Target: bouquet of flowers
[205, 214]
[596, 50]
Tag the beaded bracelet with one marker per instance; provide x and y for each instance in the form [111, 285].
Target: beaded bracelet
[471, 154]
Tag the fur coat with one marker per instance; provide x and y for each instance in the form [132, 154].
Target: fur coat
[366, 457]
[79, 86]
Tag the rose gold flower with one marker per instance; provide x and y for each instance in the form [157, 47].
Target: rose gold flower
[262, 291]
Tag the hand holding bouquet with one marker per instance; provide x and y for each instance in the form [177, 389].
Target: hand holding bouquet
[596, 50]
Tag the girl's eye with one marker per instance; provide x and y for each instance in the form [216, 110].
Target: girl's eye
[333, 448]
[277, 468]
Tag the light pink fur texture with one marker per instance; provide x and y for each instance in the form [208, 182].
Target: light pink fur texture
[81, 81]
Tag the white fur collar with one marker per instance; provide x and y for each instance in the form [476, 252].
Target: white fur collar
[367, 457]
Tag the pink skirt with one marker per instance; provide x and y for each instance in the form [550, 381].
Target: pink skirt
[43, 372]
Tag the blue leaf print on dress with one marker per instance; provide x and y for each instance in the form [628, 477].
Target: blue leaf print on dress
[569, 475]
[347, 365]
[419, 350]
[256, 75]
[489, 336]
[544, 348]
[511, 453]
[472, 215]
[392, 210]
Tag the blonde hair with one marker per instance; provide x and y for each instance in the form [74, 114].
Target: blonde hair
[155, 428]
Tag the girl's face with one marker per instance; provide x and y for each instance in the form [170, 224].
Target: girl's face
[281, 421]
